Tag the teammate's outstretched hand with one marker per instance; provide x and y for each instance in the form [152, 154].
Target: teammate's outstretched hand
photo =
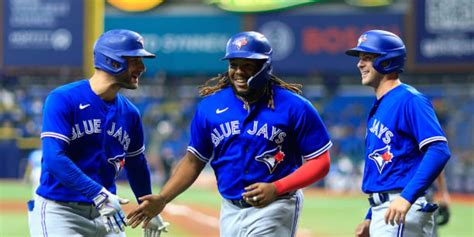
[108, 206]
[155, 227]
[260, 194]
[362, 230]
[397, 211]
[150, 207]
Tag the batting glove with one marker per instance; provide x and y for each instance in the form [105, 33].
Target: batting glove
[108, 205]
[155, 227]
[443, 215]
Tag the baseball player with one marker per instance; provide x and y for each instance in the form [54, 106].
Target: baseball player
[264, 141]
[406, 148]
[33, 170]
[90, 133]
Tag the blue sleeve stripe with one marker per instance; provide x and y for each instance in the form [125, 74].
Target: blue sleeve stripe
[432, 139]
[197, 154]
[318, 152]
[56, 135]
[135, 153]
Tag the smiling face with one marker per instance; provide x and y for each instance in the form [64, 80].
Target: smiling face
[240, 70]
[129, 78]
[370, 77]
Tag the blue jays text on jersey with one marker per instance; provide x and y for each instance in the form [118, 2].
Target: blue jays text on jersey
[400, 124]
[258, 144]
[113, 131]
[232, 128]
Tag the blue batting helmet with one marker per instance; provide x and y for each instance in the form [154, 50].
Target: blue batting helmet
[113, 46]
[252, 45]
[388, 46]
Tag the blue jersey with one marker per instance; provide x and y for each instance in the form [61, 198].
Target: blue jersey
[255, 144]
[95, 135]
[399, 125]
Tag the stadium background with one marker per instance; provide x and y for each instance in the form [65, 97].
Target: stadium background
[46, 43]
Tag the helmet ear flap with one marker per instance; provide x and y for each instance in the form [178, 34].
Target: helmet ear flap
[380, 64]
[110, 64]
[261, 78]
[386, 64]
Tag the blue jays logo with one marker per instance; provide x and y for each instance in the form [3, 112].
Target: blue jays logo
[362, 39]
[240, 42]
[118, 162]
[381, 157]
[271, 158]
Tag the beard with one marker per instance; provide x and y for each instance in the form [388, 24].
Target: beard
[124, 80]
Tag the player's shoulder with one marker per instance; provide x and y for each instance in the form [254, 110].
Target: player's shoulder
[217, 97]
[70, 88]
[289, 97]
[127, 104]
[411, 94]
[67, 93]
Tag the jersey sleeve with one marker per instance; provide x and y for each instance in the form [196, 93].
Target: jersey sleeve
[57, 118]
[137, 145]
[201, 142]
[312, 137]
[421, 121]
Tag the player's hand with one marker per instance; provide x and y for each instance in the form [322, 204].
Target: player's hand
[108, 206]
[362, 230]
[260, 194]
[397, 211]
[150, 207]
[155, 227]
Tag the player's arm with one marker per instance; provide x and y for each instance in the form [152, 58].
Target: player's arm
[186, 172]
[310, 172]
[433, 162]
[443, 189]
[262, 194]
[436, 156]
[138, 175]
[57, 163]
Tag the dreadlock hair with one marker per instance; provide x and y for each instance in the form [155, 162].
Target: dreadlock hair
[223, 80]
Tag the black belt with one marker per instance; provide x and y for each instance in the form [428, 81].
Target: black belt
[383, 197]
[240, 203]
[74, 203]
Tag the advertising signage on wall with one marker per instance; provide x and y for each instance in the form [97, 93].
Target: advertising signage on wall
[442, 36]
[182, 44]
[304, 44]
[258, 5]
[42, 33]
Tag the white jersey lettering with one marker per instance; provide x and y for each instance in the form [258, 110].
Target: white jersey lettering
[381, 131]
[263, 130]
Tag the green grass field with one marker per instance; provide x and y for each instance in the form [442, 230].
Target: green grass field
[322, 215]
